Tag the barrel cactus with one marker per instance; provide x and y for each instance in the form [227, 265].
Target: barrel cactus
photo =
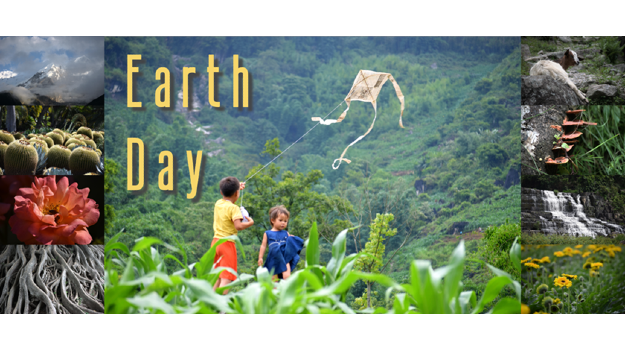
[58, 156]
[6, 137]
[85, 131]
[83, 160]
[20, 158]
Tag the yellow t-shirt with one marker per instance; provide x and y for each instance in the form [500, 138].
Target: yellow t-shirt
[225, 213]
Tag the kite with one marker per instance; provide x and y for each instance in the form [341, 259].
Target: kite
[366, 88]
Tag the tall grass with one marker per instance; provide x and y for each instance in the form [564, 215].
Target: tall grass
[602, 147]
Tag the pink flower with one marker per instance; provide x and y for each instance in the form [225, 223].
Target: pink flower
[53, 213]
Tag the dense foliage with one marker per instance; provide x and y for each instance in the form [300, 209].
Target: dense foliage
[461, 123]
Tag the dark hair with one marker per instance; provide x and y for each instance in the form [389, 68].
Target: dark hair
[277, 210]
[229, 186]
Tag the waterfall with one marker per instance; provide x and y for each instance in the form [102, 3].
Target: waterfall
[567, 215]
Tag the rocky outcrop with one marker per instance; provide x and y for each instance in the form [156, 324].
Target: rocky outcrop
[456, 227]
[537, 136]
[602, 90]
[545, 90]
[586, 214]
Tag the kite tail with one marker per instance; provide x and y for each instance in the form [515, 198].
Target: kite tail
[400, 96]
[341, 159]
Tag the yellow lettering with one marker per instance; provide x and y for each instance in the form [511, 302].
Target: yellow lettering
[165, 86]
[185, 85]
[130, 164]
[131, 70]
[194, 173]
[169, 170]
[211, 81]
[236, 70]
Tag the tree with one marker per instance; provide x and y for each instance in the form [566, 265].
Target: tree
[294, 191]
[11, 118]
[371, 260]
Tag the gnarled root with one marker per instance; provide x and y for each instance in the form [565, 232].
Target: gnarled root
[34, 279]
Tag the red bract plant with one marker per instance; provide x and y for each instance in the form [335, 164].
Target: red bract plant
[53, 213]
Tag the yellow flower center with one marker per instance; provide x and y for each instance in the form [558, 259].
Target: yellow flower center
[50, 209]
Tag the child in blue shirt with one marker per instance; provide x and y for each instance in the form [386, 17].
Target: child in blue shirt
[283, 247]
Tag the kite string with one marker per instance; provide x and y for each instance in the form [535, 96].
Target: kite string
[296, 141]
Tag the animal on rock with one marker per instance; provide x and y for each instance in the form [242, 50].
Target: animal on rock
[557, 70]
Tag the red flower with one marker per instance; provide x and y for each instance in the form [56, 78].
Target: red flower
[53, 213]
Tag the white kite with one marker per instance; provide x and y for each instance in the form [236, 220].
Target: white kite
[367, 86]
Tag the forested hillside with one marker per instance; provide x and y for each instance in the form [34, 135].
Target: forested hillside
[454, 165]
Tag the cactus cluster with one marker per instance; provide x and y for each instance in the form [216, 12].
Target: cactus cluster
[56, 152]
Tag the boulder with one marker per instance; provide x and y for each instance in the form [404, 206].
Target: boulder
[566, 39]
[545, 90]
[601, 90]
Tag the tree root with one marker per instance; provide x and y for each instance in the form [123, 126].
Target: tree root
[34, 279]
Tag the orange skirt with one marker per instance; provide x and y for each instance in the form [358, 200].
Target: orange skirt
[227, 252]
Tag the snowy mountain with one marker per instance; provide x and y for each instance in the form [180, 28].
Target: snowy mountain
[44, 77]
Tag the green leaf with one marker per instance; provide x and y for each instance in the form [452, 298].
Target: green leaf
[145, 242]
[507, 306]
[117, 245]
[152, 301]
[312, 246]
[454, 275]
[515, 254]
[338, 254]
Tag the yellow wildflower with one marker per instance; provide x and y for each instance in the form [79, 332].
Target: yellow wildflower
[578, 246]
[594, 273]
[576, 252]
[545, 260]
[556, 301]
[574, 277]
[532, 265]
[525, 309]
[562, 282]
[587, 265]
[592, 247]
[526, 260]
[595, 266]
[615, 248]
[585, 254]
[540, 312]
[558, 254]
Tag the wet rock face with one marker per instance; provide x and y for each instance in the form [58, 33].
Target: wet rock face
[537, 136]
[577, 215]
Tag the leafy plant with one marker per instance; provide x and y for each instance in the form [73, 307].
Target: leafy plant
[137, 281]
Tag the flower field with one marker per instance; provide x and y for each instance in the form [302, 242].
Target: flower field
[573, 279]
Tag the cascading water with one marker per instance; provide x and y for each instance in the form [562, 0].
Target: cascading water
[567, 215]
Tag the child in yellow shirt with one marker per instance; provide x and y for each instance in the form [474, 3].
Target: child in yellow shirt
[228, 220]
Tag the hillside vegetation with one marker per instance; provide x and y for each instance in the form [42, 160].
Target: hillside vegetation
[460, 141]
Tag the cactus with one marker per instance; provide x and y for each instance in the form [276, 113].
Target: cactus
[79, 119]
[91, 143]
[20, 158]
[48, 141]
[58, 138]
[42, 143]
[85, 131]
[97, 137]
[18, 135]
[76, 141]
[58, 156]
[3, 149]
[83, 160]
[6, 137]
